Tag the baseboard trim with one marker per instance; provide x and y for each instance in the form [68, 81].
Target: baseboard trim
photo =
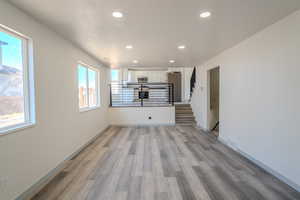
[40, 184]
[202, 129]
[146, 125]
[260, 164]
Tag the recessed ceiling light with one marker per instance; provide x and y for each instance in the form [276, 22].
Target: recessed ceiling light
[135, 61]
[129, 46]
[205, 14]
[172, 61]
[117, 14]
[181, 47]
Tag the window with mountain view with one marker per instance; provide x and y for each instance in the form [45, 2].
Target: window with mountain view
[14, 81]
[88, 89]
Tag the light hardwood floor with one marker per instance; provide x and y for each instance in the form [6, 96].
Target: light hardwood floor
[162, 163]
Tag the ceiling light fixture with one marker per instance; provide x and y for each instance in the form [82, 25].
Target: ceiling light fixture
[135, 61]
[129, 46]
[117, 14]
[205, 14]
[172, 61]
[181, 47]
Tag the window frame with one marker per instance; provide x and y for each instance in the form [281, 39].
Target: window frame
[97, 84]
[28, 82]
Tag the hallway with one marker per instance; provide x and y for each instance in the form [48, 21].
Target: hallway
[162, 163]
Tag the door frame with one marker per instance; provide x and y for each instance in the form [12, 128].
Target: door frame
[208, 113]
[181, 83]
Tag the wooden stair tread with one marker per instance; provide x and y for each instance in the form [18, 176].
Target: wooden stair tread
[184, 114]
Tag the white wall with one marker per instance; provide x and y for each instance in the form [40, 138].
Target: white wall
[188, 71]
[28, 155]
[260, 95]
[139, 116]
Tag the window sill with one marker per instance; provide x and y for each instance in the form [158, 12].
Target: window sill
[88, 109]
[16, 128]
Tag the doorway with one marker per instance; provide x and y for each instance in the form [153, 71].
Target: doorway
[214, 100]
[175, 79]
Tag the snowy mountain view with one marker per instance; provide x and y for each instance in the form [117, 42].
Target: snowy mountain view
[11, 96]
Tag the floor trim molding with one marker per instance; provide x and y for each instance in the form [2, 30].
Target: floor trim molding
[201, 128]
[260, 164]
[35, 188]
[143, 125]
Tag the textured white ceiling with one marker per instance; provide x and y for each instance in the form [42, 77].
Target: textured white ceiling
[156, 27]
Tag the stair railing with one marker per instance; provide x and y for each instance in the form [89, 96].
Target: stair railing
[192, 81]
[141, 94]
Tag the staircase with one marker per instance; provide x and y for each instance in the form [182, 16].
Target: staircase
[184, 115]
